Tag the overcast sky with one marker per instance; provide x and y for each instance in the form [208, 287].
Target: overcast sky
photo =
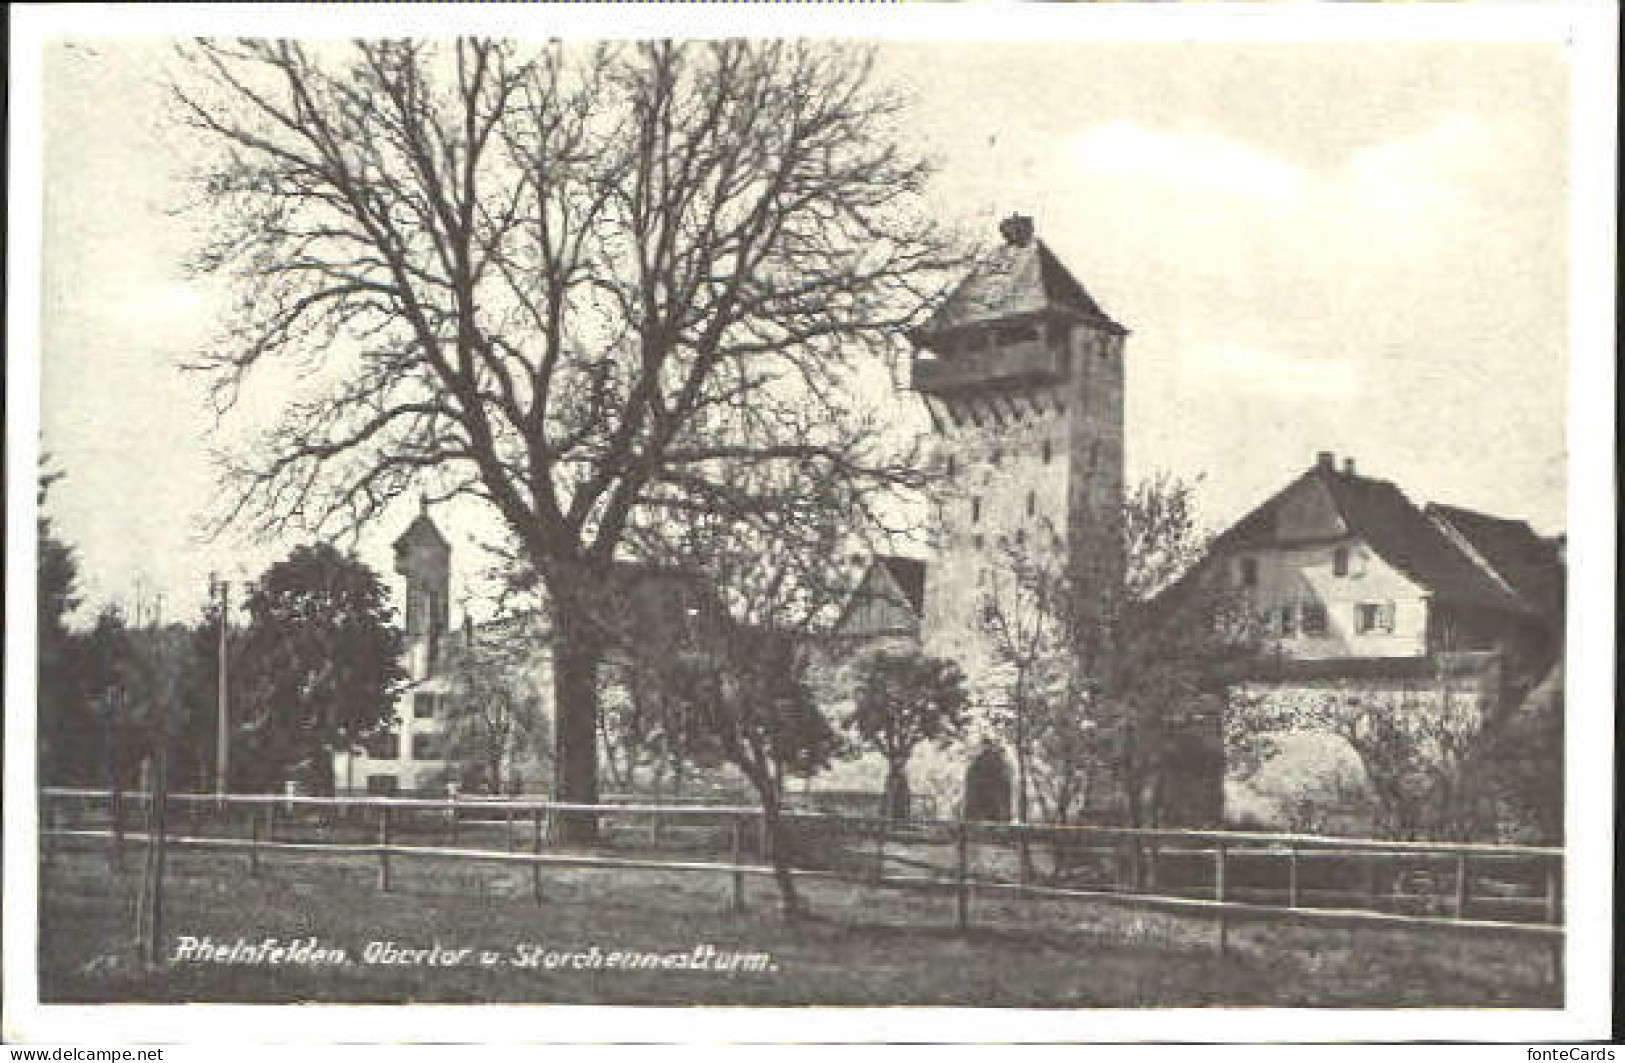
[1357, 248]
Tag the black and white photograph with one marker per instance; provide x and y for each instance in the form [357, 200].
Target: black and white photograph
[1002, 522]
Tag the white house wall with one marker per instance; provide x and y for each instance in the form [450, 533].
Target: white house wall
[1303, 574]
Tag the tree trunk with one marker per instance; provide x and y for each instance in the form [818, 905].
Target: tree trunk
[778, 853]
[321, 765]
[575, 699]
[895, 799]
[775, 851]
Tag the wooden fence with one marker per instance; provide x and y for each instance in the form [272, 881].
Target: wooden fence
[1191, 872]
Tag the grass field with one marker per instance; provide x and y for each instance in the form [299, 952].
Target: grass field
[863, 946]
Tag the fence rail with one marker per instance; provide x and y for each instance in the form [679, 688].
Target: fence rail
[1514, 892]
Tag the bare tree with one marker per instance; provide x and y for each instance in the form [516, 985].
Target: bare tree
[492, 716]
[1116, 686]
[537, 278]
[773, 583]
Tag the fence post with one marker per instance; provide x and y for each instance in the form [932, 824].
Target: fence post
[1292, 877]
[47, 813]
[1553, 914]
[1462, 885]
[1219, 895]
[738, 862]
[509, 836]
[455, 820]
[383, 849]
[116, 810]
[253, 843]
[962, 905]
[880, 851]
[270, 821]
[536, 865]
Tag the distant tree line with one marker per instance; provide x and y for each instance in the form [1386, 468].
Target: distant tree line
[313, 667]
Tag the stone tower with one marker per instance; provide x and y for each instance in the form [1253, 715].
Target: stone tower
[423, 556]
[1022, 373]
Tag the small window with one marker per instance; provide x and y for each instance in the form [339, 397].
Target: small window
[950, 465]
[1314, 619]
[976, 509]
[423, 706]
[423, 747]
[1046, 451]
[996, 456]
[1032, 503]
[976, 541]
[1021, 536]
[1287, 620]
[1374, 617]
[385, 745]
[382, 785]
[1340, 561]
[1249, 572]
[1103, 347]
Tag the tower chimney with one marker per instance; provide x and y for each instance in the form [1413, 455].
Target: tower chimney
[1017, 230]
[1348, 467]
[1326, 460]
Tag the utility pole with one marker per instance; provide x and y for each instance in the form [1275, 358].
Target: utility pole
[222, 761]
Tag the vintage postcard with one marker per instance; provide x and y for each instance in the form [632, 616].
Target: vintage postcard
[996, 523]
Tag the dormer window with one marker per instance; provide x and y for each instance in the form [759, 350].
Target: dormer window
[1340, 561]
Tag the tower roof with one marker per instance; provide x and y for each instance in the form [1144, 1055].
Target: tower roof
[422, 530]
[1020, 277]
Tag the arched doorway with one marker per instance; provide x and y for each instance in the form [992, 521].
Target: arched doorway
[987, 786]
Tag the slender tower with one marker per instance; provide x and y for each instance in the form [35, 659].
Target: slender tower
[423, 557]
[1022, 373]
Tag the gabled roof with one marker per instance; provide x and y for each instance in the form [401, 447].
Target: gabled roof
[1016, 279]
[905, 573]
[1401, 534]
[421, 529]
[909, 575]
[1526, 562]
